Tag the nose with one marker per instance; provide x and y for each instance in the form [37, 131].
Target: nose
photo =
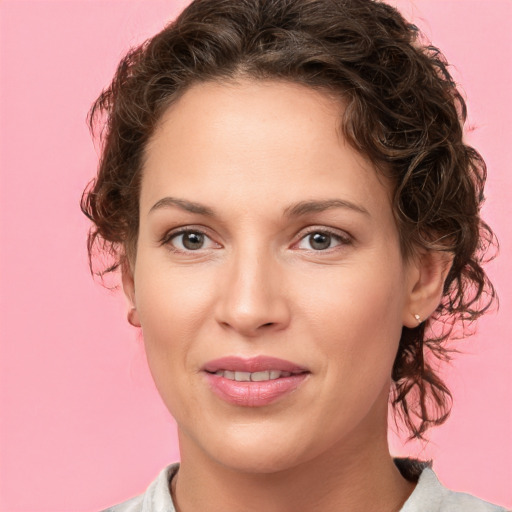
[252, 298]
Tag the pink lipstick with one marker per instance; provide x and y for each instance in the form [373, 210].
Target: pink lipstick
[253, 382]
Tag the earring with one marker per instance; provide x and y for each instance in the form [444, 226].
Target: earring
[418, 319]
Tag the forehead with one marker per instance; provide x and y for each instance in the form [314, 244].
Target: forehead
[251, 113]
[252, 137]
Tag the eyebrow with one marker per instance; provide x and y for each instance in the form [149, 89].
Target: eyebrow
[294, 210]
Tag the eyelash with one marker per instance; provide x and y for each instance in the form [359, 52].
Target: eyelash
[344, 240]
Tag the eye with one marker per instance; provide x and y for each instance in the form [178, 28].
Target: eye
[323, 239]
[186, 240]
[193, 240]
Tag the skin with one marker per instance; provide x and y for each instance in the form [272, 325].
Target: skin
[258, 285]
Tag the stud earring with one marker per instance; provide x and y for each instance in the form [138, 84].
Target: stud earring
[418, 319]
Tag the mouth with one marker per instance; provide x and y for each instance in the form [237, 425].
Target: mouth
[255, 376]
[253, 365]
[253, 382]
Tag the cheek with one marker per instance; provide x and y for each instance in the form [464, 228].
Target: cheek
[171, 300]
[358, 296]
[171, 307]
[357, 318]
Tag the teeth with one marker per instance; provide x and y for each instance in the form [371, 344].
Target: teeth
[259, 376]
[242, 376]
[252, 377]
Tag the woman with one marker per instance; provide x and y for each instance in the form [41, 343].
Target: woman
[286, 192]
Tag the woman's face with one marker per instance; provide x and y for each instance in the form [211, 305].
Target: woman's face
[290, 251]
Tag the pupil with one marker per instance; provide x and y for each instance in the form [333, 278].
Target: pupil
[193, 240]
[320, 241]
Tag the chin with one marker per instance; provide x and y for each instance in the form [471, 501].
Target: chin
[257, 450]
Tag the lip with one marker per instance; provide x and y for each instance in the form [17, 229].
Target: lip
[253, 364]
[253, 394]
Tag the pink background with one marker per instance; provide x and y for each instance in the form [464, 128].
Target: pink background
[81, 425]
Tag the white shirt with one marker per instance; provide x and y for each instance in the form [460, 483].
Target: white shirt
[429, 495]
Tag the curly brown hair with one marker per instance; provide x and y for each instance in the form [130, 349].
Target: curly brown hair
[402, 110]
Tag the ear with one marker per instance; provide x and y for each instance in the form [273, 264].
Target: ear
[129, 291]
[426, 276]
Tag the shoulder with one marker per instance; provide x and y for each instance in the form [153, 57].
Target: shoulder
[157, 497]
[431, 496]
